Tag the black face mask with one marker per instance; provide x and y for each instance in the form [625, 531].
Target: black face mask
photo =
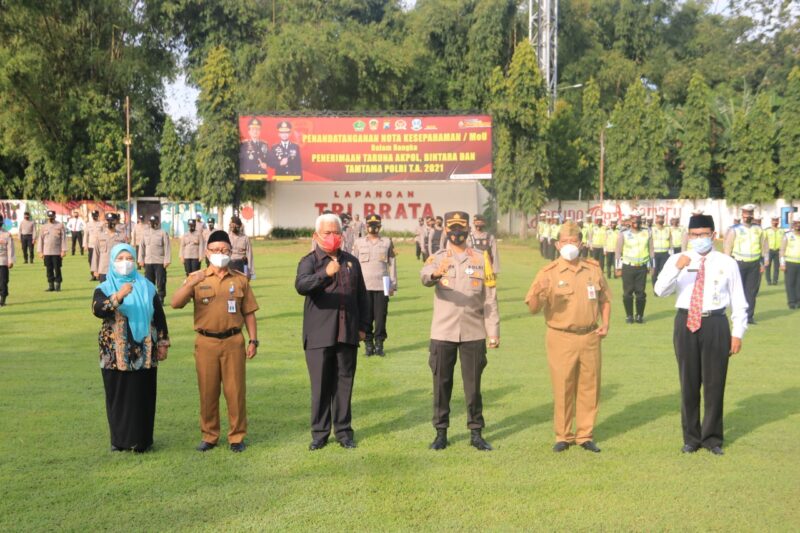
[155, 225]
[373, 229]
[52, 219]
[479, 227]
[111, 224]
[211, 225]
[457, 236]
[191, 228]
[747, 220]
[235, 229]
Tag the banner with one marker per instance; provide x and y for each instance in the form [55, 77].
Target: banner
[386, 148]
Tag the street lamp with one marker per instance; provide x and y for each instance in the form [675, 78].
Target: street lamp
[603, 156]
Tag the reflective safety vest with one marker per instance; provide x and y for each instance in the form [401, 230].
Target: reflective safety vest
[598, 237]
[542, 229]
[611, 240]
[677, 236]
[774, 237]
[585, 235]
[554, 229]
[792, 251]
[636, 248]
[661, 239]
[747, 243]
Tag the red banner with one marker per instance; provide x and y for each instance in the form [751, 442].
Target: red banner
[365, 148]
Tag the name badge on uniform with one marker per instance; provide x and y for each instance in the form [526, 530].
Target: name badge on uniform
[231, 306]
[591, 292]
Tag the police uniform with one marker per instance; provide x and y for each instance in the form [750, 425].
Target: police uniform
[774, 235]
[597, 241]
[208, 229]
[610, 250]
[192, 248]
[436, 239]
[790, 262]
[426, 237]
[52, 244]
[377, 258]
[634, 257]
[747, 244]
[253, 153]
[572, 302]
[553, 228]
[27, 232]
[677, 236]
[7, 259]
[418, 236]
[348, 233]
[541, 232]
[93, 227]
[241, 252]
[285, 155]
[662, 247]
[586, 229]
[464, 314]
[155, 253]
[104, 241]
[483, 241]
[139, 231]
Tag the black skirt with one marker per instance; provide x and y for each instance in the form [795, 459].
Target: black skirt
[131, 407]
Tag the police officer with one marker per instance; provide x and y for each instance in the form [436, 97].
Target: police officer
[139, 231]
[418, 233]
[105, 239]
[426, 237]
[76, 226]
[634, 258]
[155, 255]
[662, 245]
[348, 232]
[552, 237]
[464, 314]
[483, 241]
[577, 307]
[597, 240]
[359, 226]
[207, 231]
[677, 235]
[586, 228]
[241, 251]
[774, 238]
[436, 238]
[253, 153]
[285, 156]
[610, 248]
[790, 262]
[191, 247]
[377, 258]
[747, 244]
[541, 232]
[27, 233]
[93, 227]
[52, 246]
[7, 259]
[706, 283]
[223, 302]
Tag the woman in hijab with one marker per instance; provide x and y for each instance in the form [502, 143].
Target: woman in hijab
[133, 339]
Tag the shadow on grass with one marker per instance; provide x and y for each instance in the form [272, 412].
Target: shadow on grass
[759, 410]
[640, 413]
[417, 404]
[415, 346]
[764, 316]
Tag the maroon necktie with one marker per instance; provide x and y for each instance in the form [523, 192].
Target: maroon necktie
[696, 303]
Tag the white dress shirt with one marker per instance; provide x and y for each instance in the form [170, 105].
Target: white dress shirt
[75, 224]
[722, 286]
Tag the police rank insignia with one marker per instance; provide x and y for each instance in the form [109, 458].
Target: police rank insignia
[446, 282]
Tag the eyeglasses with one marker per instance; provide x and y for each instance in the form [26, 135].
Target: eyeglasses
[700, 235]
[219, 250]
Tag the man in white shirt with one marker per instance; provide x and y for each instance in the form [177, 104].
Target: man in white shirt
[707, 282]
[76, 225]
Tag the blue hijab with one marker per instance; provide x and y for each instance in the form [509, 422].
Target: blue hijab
[138, 305]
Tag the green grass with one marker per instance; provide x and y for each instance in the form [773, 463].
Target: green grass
[56, 471]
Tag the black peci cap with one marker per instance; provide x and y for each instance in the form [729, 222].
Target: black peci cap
[701, 221]
[218, 236]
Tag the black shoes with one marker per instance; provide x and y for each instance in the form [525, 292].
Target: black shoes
[348, 444]
[116, 449]
[590, 446]
[50, 288]
[2, 301]
[369, 348]
[629, 319]
[639, 319]
[751, 321]
[317, 444]
[478, 443]
[58, 287]
[440, 442]
[689, 448]
[205, 446]
[238, 447]
[716, 450]
[379, 348]
[560, 446]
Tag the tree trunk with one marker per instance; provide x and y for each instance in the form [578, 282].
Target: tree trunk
[523, 228]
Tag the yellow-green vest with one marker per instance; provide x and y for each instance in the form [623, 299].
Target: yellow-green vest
[598, 237]
[747, 243]
[774, 237]
[792, 251]
[542, 229]
[554, 229]
[661, 239]
[611, 240]
[677, 236]
[636, 247]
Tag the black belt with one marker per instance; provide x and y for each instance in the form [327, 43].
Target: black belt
[577, 331]
[704, 314]
[221, 335]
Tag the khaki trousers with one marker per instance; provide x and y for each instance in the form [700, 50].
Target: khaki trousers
[574, 362]
[221, 361]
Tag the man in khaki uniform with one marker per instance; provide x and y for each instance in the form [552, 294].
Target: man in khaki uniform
[377, 258]
[27, 236]
[7, 259]
[464, 314]
[139, 230]
[191, 246]
[577, 308]
[223, 301]
[482, 240]
[93, 227]
[105, 239]
[155, 255]
[208, 229]
[52, 247]
[242, 252]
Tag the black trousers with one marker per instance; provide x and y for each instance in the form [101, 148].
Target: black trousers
[611, 260]
[553, 251]
[90, 254]
[751, 281]
[377, 310]
[27, 247]
[53, 265]
[702, 362]
[792, 281]
[77, 236]
[443, 355]
[418, 250]
[332, 371]
[634, 280]
[238, 264]
[191, 265]
[158, 275]
[676, 250]
[597, 255]
[659, 260]
[3, 281]
[774, 267]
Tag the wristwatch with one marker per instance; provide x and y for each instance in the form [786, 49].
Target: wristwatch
[254, 342]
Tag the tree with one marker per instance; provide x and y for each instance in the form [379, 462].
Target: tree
[593, 121]
[566, 161]
[789, 139]
[751, 169]
[177, 165]
[519, 107]
[695, 140]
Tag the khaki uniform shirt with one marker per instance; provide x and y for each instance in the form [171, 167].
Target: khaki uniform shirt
[6, 248]
[212, 310]
[139, 231]
[27, 227]
[575, 296]
[52, 239]
[191, 245]
[241, 249]
[463, 308]
[93, 227]
[483, 240]
[103, 243]
[207, 232]
[155, 249]
[377, 260]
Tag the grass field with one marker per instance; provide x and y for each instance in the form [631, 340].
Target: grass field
[56, 472]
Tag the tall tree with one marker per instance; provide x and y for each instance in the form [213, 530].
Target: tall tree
[789, 139]
[695, 140]
[566, 161]
[593, 123]
[178, 171]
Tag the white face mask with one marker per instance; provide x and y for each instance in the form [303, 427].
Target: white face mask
[219, 260]
[124, 267]
[569, 252]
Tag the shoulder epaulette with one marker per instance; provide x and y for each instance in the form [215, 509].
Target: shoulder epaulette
[551, 266]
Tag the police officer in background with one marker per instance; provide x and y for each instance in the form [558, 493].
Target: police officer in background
[774, 238]
[348, 232]
[677, 235]
[76, 226]
[662, 245]
[359, 226]
[52, 247]
[93, 227]
[552, 237]
[747, 244]
[790, 262]
[483, 241]
[597, 240]
[241, 251]
[192, 245]
[155, 255]
[253, 153]
[7, 259]
[634, 258]
[464, 314]
[426, 237]
[610, 248]
[104, 241]
[208, 229]
[541, 232]
[436, 238]
[285, 156]
[139, 230]
[418, 236]
[377, 258]
[27, 233]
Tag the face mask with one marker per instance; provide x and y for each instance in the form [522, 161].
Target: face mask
[701, 245]
[569, 252]
[52, 219]
[373, 229]
[154, 225]
[124, 267]
[457, 236]
[634, 225]
[234, 229]
[219, 260]
[111, 225]
[747, 220]
[211, 226]
[331, 242]
[479, 227]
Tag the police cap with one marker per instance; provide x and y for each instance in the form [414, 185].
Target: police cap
[374, 219]
[153, 218]
[51, 214]
[284, 126]
[478, 217]
[456, 218]
[254, 122]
